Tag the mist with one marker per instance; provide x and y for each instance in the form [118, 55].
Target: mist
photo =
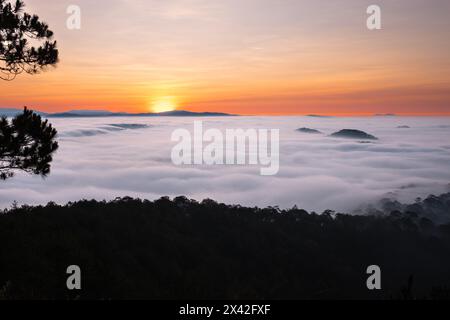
[105, 158]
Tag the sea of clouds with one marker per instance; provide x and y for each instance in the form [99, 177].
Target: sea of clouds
[105, 158]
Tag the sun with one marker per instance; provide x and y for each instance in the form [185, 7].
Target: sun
[164, 104]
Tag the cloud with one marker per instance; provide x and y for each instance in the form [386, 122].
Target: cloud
[103, 130]
[131, 157]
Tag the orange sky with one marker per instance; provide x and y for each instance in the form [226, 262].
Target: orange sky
[244, 57]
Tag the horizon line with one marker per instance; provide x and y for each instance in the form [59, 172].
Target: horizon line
[337, 115]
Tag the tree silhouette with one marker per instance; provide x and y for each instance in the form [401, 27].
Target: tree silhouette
[18, 30]
[183, 249]
[27, 143]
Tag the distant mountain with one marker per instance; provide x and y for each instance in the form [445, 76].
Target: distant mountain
[82, 114]
[385, 115]
[11, 112]
[182, 113]
[318, 116]
[7, 112]
[100, 113]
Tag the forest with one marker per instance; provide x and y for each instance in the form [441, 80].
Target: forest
[184, 249]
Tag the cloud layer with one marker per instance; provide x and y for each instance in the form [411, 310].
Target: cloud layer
[108, 158]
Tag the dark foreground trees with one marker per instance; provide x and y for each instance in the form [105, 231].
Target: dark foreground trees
[26, 43]
[27, 143]
[182, 249]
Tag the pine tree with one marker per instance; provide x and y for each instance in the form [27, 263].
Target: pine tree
[19, 31]
[27, 143]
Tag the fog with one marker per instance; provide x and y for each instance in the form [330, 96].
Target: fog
[105, 158]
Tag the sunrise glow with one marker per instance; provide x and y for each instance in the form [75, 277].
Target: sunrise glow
[165, 104]
[264, 57]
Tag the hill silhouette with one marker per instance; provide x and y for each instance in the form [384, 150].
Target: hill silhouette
[308, 130]
[10, 112]
[182, 249]
[353, 134]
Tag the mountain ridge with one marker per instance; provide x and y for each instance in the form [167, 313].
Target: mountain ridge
[11, 112]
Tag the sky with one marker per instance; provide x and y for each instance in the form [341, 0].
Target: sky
[251, 57]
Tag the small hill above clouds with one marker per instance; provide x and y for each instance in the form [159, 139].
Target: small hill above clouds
[353, 134]
[385, 115]
[308, 130]
[318, 116]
